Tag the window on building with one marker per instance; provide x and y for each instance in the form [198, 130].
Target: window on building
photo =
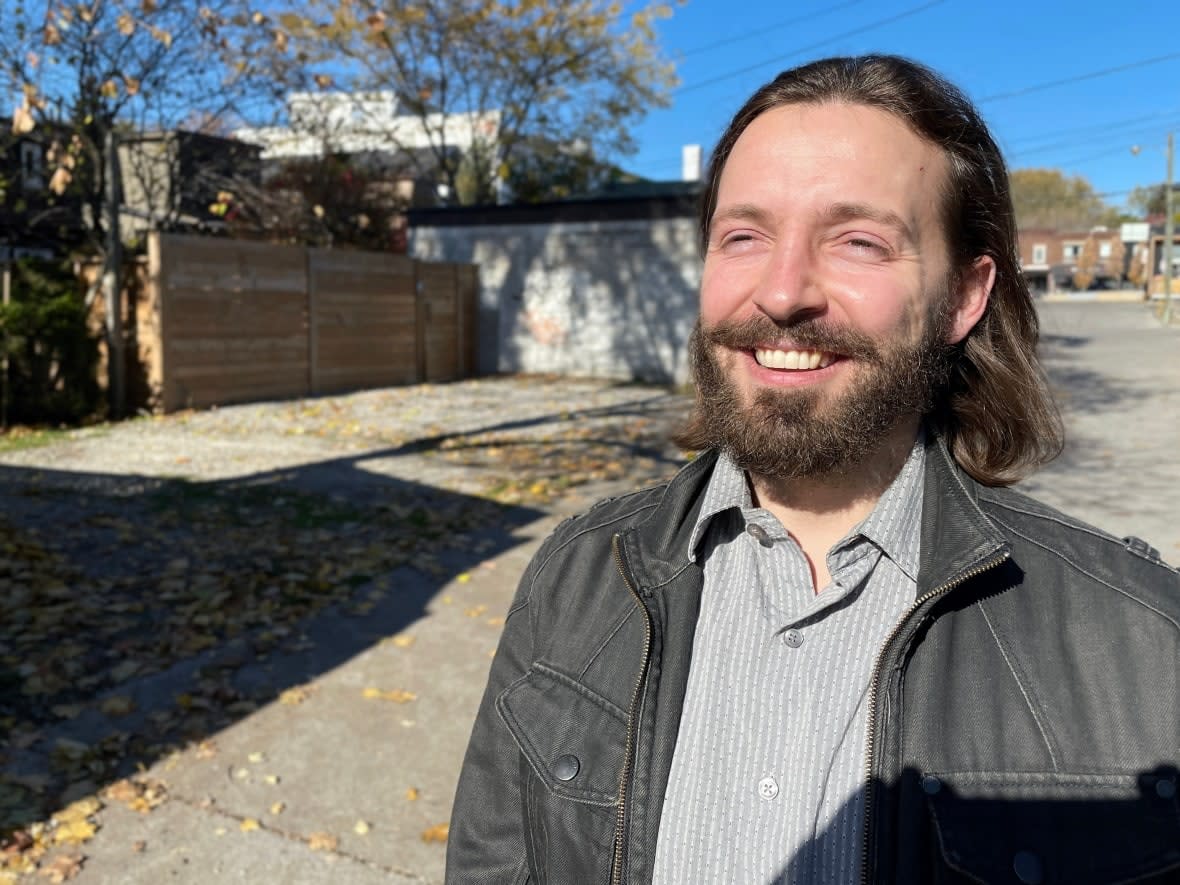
[1105, 249]
[1040, 253]
[1070, 251]
[32, 165]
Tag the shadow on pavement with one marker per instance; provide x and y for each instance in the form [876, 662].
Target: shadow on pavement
[142, 614]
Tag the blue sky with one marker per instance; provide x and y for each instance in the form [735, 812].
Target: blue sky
[725, 50]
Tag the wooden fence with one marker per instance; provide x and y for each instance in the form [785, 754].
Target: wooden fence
[217, 321]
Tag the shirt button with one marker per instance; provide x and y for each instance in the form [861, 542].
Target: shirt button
[759, 534]
[768, 788]
[793, 638]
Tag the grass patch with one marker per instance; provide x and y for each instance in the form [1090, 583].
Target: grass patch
[17, 439]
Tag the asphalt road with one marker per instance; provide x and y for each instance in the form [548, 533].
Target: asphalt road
[1116, 373]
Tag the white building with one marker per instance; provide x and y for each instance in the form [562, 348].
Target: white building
[365, 123]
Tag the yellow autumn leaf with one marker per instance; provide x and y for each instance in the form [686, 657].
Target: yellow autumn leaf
[397, 695]
[278, 807]
[437, 833]
[475, 611]
[322, 842]
[77, 811]
[294, 696]
[463, 578]
[126, 25]
[361, 828]
[256, 757]
[75, 832]
[249, 825]
[411, 794]
[109, 89]
[403, 640]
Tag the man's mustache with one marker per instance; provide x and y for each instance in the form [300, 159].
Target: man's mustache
[810, 334]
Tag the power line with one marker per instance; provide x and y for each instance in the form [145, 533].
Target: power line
[778, 58]
[1094, 127]
[1092, 75]
[1124, 135]
[774, 26]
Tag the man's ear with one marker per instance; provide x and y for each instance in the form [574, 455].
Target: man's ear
[971, 297]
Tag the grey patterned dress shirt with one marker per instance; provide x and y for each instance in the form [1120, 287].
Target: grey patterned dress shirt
[767, 781]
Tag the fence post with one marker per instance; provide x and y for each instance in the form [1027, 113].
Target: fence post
[421, 319]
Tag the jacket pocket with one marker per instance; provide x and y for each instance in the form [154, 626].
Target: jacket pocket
[572, 742]
[572, 737]
[1048, 828]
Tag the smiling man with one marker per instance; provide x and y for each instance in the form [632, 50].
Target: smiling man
[836, 646]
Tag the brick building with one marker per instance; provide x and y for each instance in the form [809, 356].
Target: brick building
[1050, 258]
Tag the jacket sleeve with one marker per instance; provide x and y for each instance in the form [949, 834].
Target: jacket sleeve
[486, 841]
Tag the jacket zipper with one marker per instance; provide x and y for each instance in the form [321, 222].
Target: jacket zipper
[874, 686]
[621, 815]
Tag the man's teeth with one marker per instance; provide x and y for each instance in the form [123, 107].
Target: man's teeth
[793, 359]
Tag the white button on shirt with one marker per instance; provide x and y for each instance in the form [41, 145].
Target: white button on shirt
[777, 690]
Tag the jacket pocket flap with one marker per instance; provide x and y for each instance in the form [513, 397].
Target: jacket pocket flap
[1054, 827]
[573, 738]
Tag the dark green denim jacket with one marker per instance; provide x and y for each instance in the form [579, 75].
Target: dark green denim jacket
[1024, 721]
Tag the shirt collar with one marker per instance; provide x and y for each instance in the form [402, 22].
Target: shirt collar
[894, 525]
[727, 488]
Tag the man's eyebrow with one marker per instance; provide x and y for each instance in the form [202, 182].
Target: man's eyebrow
[741, 212]
[854, 211]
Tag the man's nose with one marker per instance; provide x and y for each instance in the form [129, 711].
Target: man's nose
[789, 289]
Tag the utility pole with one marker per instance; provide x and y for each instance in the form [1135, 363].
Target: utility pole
[1169, 231]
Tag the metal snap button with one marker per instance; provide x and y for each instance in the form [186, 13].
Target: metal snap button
[566, 767]
[931, 785]
[1028, 868]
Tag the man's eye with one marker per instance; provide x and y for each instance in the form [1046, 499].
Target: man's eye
[861, 244]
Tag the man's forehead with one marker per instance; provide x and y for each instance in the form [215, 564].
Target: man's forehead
[865, 161]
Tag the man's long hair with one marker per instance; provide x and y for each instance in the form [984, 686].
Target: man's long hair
[996, 414]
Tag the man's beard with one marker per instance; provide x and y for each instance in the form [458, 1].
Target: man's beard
[793, 433]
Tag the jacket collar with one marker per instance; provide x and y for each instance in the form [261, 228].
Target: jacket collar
[956, 534]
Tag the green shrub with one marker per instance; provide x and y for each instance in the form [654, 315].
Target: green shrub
[52, 355]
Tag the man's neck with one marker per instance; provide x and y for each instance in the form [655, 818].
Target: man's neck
[819, 511]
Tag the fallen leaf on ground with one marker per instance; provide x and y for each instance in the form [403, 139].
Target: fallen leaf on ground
[62, 868]
[403, 640]
[256, 757]
[77, 811]
[361, 828]
[437, 833]
[117, 705]
[411, 794]
[397, 695]
[475, 611]
[249, 825]
[278, 807]
[122, 791]
[295, 696]
[75, 832]
[322, 842]
[495, 622]
[272, 779]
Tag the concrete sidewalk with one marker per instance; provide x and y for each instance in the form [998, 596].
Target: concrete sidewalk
[339, 754]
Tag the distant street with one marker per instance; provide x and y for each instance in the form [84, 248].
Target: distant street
[1116, 373]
